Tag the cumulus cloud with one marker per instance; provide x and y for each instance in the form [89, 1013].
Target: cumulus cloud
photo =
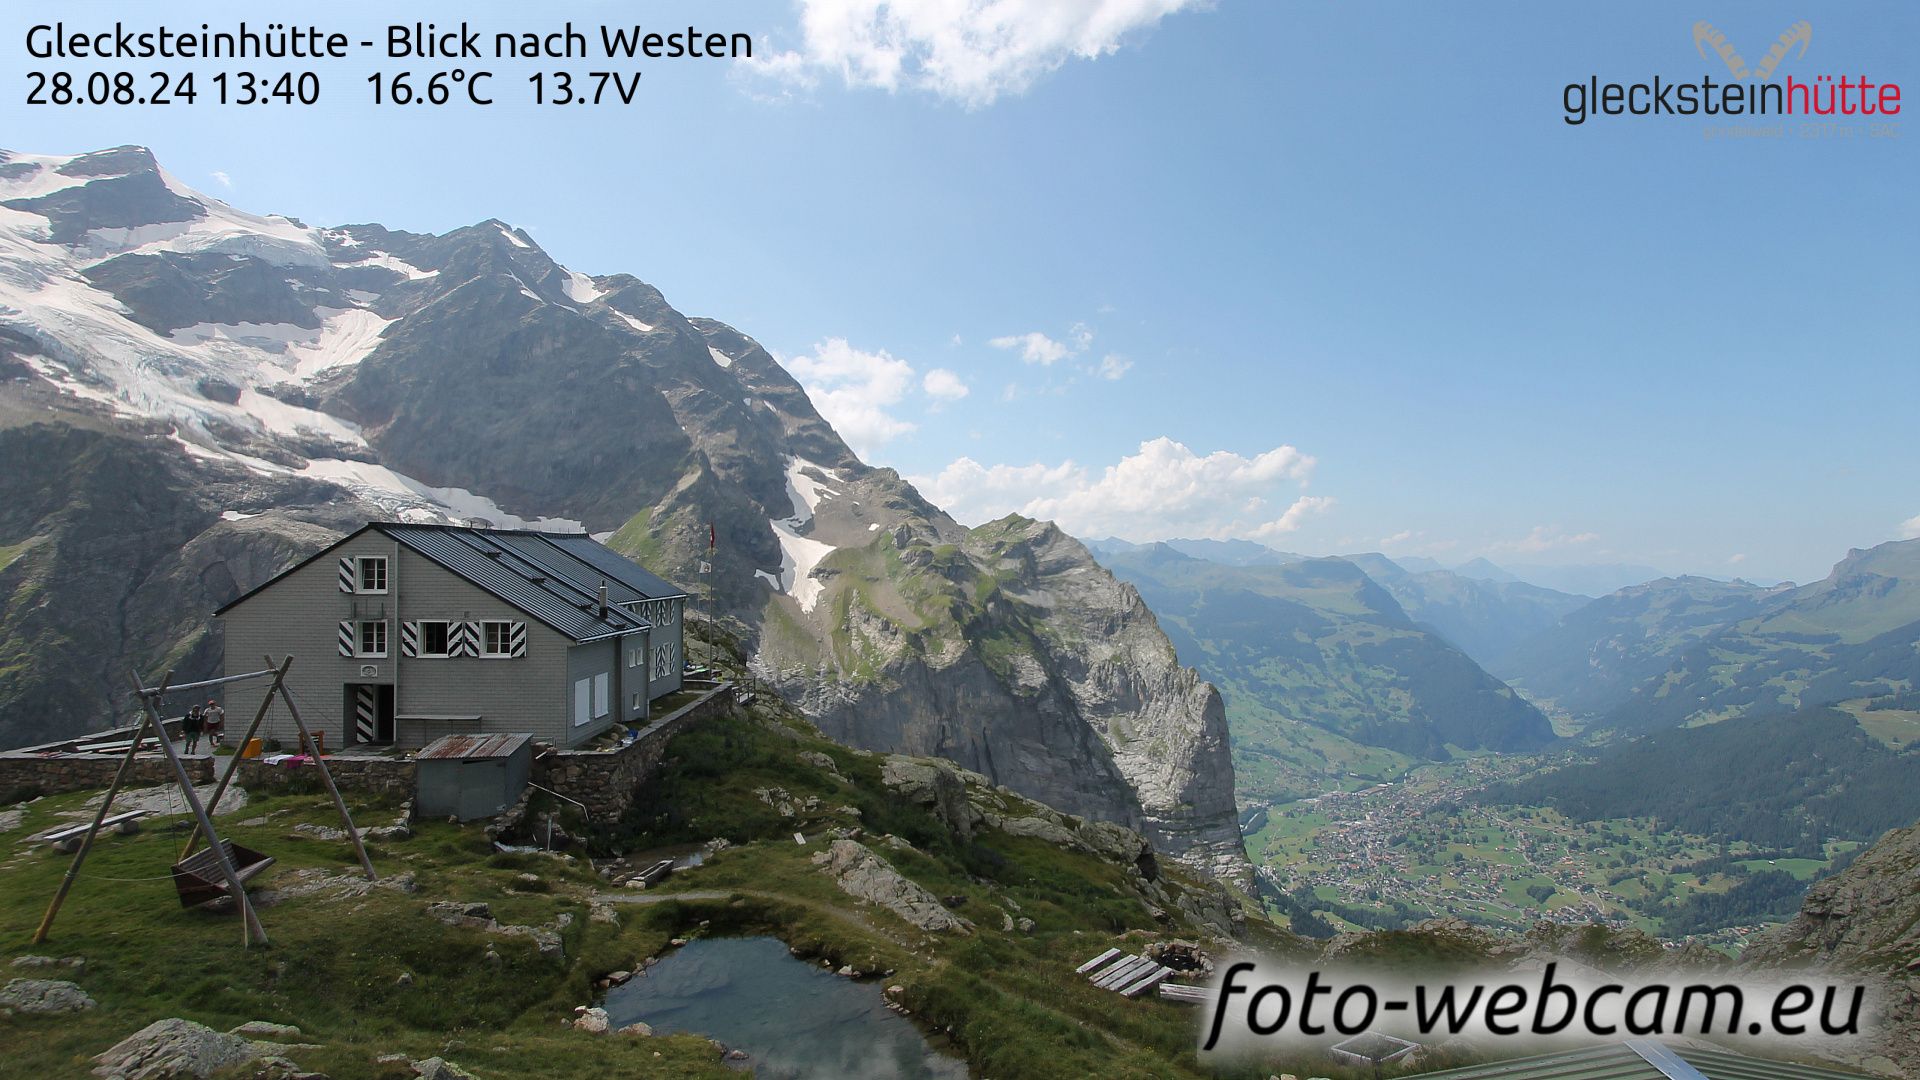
[1737, 558]
[854, 389]
[1114, 366]
[943, 385]
[1164, 489]
[1910, 528]
[1545, 538]
[1034, 348]
[224, 180]
[967, 51]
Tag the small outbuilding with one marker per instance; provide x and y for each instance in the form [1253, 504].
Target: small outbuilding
[471, 776]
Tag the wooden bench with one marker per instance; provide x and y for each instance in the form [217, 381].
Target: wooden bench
[123, 823]
[198, 879]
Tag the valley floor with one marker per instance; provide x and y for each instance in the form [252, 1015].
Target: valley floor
[1391, 853]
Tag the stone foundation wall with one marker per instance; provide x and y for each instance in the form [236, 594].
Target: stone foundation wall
[606, 781]
[378, 776]
[603, 780]
[53, 774]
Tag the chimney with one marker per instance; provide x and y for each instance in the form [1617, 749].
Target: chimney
[603, 598]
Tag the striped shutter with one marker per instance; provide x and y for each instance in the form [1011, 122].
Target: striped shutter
[517, 640]
[348, 575]
[410, 639]
[347, 639]
[463, 639]
[662, 661]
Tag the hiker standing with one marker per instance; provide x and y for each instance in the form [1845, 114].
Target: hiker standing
[216, 721]
[190, 726]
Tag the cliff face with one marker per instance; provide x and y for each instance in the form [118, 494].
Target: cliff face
[1864, 921]
[1013, 653]
[248, 386]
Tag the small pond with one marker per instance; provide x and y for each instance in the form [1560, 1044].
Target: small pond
[797, 1019]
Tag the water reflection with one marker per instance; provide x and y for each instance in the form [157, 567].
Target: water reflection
[796, 1019]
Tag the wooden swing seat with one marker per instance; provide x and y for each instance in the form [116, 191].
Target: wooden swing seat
[198, 878]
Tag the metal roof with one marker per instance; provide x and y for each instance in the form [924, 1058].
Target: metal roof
[617, 567]
[538, 578]
[472, 747]
[1640, 1060]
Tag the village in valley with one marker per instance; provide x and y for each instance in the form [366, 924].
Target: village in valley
[1395, 852]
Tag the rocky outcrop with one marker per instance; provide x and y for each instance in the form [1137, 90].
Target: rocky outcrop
[862, 874]
[174, 1050]
[44, 996]
[1864, 921]
[1013, 654]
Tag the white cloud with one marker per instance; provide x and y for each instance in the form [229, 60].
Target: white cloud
[943, 385]
[1290, 521]
[1545, 538]
[1910, 528]
[1114, 366]
[854, 390]
[968, 51]
[224, 180]
[1163, 490]
[1035, 347]
[1737, 558]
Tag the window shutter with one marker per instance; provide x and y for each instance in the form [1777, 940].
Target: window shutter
[410, 639]
[347, 575]
[348, 640]
[517, 640]
[463, 639]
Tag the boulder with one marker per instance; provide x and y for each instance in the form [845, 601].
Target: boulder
[435, 1068]
[593, 1021]
[174, 1049]
[936, 786]
[861, 873]
[638, 1028]
[44, 996]
[261, 1029]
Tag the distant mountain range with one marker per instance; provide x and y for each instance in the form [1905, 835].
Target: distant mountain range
[1686, 650]
[1319, 642]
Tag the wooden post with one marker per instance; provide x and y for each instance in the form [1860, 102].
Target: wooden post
[251, 928]
[233, 763]
[86, 842]
[326, 776]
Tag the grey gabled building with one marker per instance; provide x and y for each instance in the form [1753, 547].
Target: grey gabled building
[403, 633]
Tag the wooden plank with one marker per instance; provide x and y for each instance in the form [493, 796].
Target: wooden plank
[1182, 992]
[1120, 973]
[1096, 961]
[1152, 980]
[76, 830]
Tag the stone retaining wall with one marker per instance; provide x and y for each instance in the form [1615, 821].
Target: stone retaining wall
[607, 780]
[604, 780]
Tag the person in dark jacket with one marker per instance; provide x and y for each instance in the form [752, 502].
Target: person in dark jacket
[190, 727]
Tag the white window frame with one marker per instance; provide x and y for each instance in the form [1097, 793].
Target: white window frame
[583, 702]
[446, 639]
[640, 701]
[360, 639]
[602, 695]
[365, 562]
[506, 639]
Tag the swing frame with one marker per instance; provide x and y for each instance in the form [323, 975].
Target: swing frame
[231, 881]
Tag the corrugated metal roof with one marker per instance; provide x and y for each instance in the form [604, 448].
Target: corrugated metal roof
[538, 579]
[1621, 1062]
[615, 566]
[472, 747]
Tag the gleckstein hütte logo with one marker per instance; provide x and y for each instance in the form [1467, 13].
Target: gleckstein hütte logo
[1750, 90]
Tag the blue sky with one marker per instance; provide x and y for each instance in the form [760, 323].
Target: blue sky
[1336, 277]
